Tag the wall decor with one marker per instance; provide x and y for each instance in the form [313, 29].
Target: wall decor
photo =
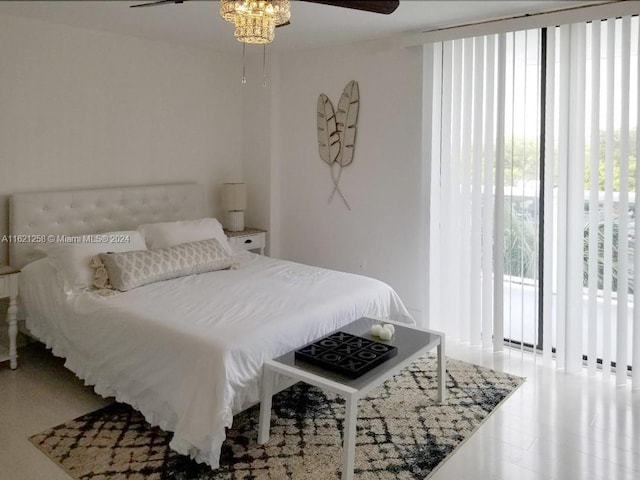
[337, 133]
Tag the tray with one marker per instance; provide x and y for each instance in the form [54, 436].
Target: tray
[346, 354]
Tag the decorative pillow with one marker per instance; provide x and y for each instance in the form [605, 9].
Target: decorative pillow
[129, 270]
[162, 235]
[100, 275]
[101, 284]
[71, 260]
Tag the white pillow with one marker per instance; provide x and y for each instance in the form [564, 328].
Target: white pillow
[168, 234]
[71, 260]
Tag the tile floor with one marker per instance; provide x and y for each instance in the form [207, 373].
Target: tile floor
[555, 426]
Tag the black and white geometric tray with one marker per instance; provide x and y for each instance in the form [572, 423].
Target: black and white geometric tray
[346, 354]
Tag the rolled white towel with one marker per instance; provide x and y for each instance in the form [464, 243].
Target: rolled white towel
[375, 330]
[385, 334]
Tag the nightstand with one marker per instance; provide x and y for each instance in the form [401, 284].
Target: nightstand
[249, 239]
[9, 288]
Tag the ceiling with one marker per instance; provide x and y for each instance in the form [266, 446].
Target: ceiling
[197, 23]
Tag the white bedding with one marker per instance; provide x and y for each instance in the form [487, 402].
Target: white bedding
[188, 352]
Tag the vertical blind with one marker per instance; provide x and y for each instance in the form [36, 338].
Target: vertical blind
[592, 149]
[535, 143]
[487, 103]
[467, 73]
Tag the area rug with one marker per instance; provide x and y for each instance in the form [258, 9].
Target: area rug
[403, 433]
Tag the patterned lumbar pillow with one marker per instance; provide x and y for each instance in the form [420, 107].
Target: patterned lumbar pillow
[129, 270]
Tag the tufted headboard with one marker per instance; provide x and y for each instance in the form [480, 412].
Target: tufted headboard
[79, 212]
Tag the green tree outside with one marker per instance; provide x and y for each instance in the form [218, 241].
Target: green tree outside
[521, 164]
[616, 162]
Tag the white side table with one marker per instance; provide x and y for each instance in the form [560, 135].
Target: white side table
[411, 342]
[9, 288]
[249, 239]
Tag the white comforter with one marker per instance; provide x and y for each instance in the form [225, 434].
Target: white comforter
[188, 352]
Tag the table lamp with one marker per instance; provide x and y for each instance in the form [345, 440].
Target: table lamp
[234, 201]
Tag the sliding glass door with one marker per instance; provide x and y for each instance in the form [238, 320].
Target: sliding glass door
[536, 147]
[522, 189]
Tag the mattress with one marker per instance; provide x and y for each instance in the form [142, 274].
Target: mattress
[188, 352]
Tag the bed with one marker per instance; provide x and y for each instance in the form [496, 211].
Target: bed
[186, 352]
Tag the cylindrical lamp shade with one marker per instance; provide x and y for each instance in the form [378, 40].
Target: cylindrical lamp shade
[234, 196]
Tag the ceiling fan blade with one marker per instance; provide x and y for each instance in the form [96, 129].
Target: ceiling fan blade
[154, 4]
[376, 6]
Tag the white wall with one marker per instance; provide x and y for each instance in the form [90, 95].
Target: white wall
[256, 144]
[261, 147]
[383, 184]
[81, 109]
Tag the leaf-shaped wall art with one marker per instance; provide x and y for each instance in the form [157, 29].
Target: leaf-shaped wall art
[337, 133]
[328, 137]
[346, 119]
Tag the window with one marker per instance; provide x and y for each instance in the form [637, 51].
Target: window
[535, 178]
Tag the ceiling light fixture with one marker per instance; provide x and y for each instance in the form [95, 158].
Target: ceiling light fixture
[255, 20]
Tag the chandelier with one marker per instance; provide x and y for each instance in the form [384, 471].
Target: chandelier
[255, 20]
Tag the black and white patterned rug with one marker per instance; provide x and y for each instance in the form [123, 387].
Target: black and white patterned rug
[402, 433]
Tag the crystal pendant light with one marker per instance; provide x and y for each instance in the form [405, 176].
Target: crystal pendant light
[255, 20]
